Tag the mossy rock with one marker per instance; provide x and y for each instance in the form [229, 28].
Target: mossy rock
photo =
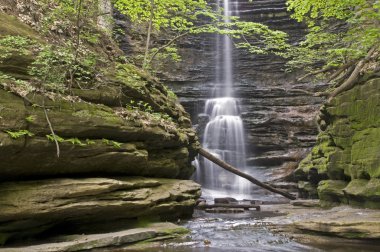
[364, 193]
[12, 112]
[360, 105]
[365, 154]
[307, 190]
[330, 192]
[10, 25]
[303, 168]
[32, 207]
[349, 148]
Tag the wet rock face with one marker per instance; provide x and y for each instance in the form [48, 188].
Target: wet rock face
[345, 163]
[200, 59]
[277, 112]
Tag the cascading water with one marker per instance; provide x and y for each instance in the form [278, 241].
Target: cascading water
[224, 132]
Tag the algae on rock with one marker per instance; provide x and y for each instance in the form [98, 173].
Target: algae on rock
[348, 150]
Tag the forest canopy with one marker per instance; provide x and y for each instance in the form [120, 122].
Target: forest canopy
[343, 36]
[338, 31]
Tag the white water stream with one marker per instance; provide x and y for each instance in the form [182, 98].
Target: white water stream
[224, 134]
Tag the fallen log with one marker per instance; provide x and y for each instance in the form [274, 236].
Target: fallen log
[242, 206]
[232, 169]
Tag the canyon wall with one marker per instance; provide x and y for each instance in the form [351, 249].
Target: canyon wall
[102, 156]
[344, 166]
[278, 113]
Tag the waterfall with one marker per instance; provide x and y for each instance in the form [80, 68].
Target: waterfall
[224, 133]
[227, 54]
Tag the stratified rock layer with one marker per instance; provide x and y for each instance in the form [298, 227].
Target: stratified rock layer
[92, 242]
[347, 156]
[343, 221]
[278, 113]
[96, 139]
[34, 206]
[127, 124]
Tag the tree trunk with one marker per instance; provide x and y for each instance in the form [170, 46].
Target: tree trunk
[232, 169]
[339, 71]
[150, 26]
[350, 82]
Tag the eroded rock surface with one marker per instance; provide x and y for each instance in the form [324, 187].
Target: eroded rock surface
[344, 221]
[126, 124]
[101, 241]
[35, 206]
[345, 163]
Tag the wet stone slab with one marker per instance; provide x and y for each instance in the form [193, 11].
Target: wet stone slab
[106, 240]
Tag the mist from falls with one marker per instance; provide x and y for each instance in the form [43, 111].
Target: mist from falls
[224, 133]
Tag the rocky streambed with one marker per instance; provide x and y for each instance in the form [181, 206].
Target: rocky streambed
[296, 226]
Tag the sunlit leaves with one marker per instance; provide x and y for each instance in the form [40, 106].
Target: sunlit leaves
[178, 15]
[339, 31]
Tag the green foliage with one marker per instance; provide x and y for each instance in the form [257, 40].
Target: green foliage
[54, 63]
[20, 87]
[339, 31]
[50, 67]
[160, 116]
[145, 107]
[177, 15]
[169, 52]
[54, 138]
[130, 75]
[61, 18]
[171, 95]
[182, 17]
[74, 60]
[112, 143]
[90, 142]
[19, 133]
[73, 140]
[30, 118]
[14, 45]
[140, 105]
[256, 38]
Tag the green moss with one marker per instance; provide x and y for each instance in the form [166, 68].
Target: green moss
[362, 192]
[331, 191]
[365, 154]
[361, 105]
[129, 75]
[349, 148]
[10, 25]
[145, 221]
[355, 235]
[100, 112]
[307, 190]
[176, 231]
[304, 167]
